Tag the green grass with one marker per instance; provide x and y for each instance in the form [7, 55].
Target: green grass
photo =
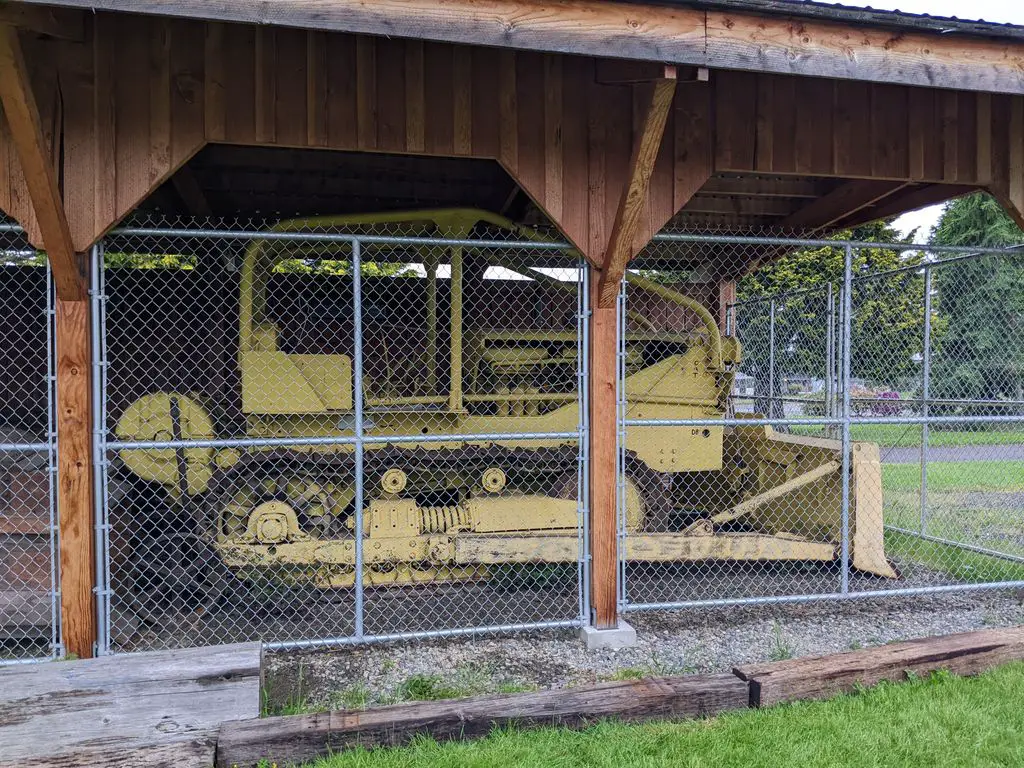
[956, 476]
[960, 564]
[939, 721]
[909, 435]
[964, 507]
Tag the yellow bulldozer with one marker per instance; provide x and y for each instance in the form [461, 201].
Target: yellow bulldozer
[439, 511]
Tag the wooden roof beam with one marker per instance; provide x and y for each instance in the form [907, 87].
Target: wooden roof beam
[191, 194]
[905, 200]
[719, 39]
[22, 115]
[641, 166]
[839, 204]
[62, 23]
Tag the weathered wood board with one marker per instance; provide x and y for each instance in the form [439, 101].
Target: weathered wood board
[147, 709]
[294, 739]
[819, 677]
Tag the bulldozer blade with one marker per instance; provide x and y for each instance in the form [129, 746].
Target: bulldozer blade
[797, 490]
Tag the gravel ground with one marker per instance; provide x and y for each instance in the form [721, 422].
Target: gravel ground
[677, 642]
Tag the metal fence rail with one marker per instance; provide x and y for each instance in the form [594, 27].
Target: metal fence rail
[29, 578]
[905, 382]
[252, 492]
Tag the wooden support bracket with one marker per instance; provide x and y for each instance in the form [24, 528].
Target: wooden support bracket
[22, 114]
[641, 167]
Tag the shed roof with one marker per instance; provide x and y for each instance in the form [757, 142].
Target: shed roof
[867, 15]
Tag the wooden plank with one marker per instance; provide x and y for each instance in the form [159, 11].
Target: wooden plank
[462, 100]
[414, 97]
[852, 133]
[316, 89]
[765, 124]
[159, 708]
[80, 144]
[366, 93]
[845, 200]
[694, 142]
[736, 121]
[158, 153]
[265, 52]
[719, 39]
[486, 117]
[530, 124]
[508, 108]
[820, 677]
[1015, 197]
[950, 144]
[553, 144]
[22, 114]
[390, 101]
[983, 144]
[74, 475]
[213, 82]
[342, 111]
[603, 462]
[291, 87]
[641, 165]
[296, 739]
[188, 121]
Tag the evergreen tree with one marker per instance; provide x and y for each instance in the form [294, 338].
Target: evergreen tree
[979, 354]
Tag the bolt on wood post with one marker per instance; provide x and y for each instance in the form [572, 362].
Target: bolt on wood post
[603, 462]
[74, 476]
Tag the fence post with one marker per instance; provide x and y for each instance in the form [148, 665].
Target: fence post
[830, 358]
[847, 315]
[771, 358]
[357, 411]
[926, 365]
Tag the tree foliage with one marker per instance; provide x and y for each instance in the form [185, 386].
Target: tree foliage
[887, 317]
[979, 355]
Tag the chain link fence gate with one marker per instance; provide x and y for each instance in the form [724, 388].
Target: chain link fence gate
[846, 459]
[29, 578]
[251, 491]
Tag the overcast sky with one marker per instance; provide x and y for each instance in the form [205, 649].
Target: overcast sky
[1003, 11]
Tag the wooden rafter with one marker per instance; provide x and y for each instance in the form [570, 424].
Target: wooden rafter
[909, 199]
[840, 203]
[191, 193]
[641, 165]
[22, 115]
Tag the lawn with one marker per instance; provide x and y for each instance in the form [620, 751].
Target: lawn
[940, 721]
[980, 503]
[909, 435]
[964, 476]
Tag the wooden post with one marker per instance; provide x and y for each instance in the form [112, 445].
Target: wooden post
[603, 461]
[726, 297]
[603, 347]
[74, 476]
[72, 340]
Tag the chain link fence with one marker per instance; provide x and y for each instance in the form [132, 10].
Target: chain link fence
[341, 430]
[29, 591]
[864, 436]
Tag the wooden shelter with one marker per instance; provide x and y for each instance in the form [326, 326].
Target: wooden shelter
[612, 119]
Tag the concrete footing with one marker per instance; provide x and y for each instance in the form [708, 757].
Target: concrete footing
[622, 636]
